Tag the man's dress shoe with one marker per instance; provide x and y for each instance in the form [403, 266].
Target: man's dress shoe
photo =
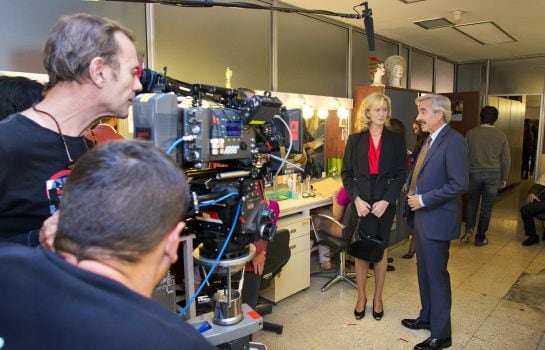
[415, 323]
[531, 241]
[434, 344]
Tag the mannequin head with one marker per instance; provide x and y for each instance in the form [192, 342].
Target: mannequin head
[395, 69]
[376, 72]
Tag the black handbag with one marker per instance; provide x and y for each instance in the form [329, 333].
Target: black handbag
[366, 247]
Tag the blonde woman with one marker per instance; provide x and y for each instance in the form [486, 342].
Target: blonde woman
[374, 170]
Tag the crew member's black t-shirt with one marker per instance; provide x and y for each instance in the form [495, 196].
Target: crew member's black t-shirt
[30, 157]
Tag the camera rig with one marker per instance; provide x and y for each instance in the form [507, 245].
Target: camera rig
[225, 151]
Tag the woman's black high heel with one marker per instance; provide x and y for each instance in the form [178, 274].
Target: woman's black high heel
[377, 315]
[360, 314]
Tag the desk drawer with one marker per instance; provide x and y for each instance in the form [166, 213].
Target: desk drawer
[298, 225]
[299, 244]
[294, 277]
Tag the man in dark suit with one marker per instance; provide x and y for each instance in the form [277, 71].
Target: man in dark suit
[436, 187]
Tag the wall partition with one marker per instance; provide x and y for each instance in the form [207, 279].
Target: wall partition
[29, 21]
[520, 76]
[444, 76]
[421, 71]
[198, 44]
[360, 59]
[523, 76]
[361, 53]
[312, 56]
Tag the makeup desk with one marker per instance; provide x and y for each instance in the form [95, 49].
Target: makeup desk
[295, 275]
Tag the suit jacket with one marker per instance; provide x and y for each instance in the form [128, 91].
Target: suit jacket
[443, 178]
[392, 167]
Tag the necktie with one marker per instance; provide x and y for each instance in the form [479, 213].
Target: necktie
[418, 165]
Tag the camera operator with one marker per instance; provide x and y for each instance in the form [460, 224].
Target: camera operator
[92, 66]
[111, 251]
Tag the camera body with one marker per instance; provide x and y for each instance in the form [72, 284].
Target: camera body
[224, 151]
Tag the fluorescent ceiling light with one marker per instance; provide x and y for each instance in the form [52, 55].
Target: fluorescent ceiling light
[485, 33]
[434, 23]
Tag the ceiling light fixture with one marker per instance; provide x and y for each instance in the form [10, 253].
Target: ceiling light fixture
[410, 1]
[457, 16]
[485, 33]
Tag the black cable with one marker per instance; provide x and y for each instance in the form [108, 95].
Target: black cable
[210, 3]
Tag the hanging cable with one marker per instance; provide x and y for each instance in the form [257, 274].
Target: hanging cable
[246, 5]
[205, 280]
[178, 141]
[289, 148]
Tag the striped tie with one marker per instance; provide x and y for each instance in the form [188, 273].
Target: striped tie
[418, 165]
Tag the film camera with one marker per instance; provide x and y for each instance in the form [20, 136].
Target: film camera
[225, 150]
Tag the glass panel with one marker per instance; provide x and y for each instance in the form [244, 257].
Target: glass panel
[197, 45]
[383, 49]
[517, 76]
[405, 54]
[444, 76]
[421, 71]
[29, 21]
[469, 76]
[307, 65]
[360, 59]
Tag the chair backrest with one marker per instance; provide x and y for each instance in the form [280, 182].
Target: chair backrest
[278, 254]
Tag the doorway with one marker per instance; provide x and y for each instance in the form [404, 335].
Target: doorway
[513, 111]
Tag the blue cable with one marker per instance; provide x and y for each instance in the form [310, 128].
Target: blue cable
[174, 144]
[237, 214]
[214, 201]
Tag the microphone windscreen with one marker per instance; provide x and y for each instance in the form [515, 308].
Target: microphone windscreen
[370, 32]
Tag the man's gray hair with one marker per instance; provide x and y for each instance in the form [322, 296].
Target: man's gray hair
[75, 41]
[439, 103]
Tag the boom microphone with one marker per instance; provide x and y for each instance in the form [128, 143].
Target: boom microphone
[369, 30]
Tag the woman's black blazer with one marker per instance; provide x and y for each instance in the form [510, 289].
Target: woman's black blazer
[392, 167]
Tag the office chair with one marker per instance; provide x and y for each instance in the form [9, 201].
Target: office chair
[278, 254]
[336, 245]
